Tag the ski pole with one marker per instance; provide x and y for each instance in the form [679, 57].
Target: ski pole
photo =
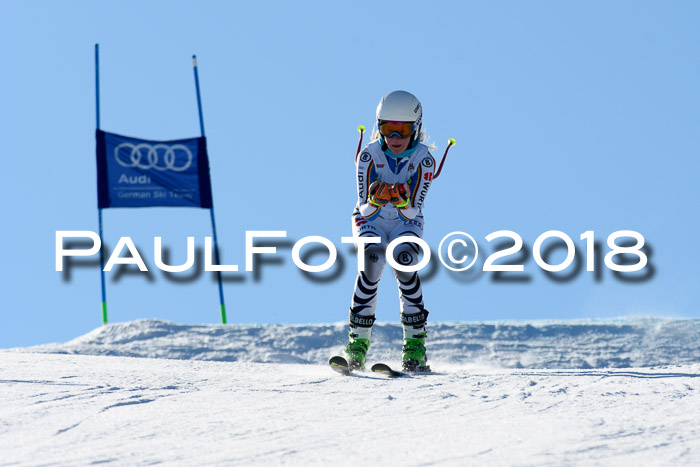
[451, 142]
[361, 129]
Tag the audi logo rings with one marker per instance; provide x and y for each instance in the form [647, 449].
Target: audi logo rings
[148, 156]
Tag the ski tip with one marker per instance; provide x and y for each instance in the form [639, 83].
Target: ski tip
[452, 141]
[340, 365]
[361, 129]
[338, 361]
[385, 369]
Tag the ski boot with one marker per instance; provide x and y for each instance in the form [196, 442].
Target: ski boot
[356, 353]
[356, 349]
[413, 355]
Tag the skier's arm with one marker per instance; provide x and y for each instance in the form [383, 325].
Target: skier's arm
[365, 173]
[362, 173]
[421, 182]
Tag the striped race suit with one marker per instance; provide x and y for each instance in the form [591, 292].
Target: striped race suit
[389, 223]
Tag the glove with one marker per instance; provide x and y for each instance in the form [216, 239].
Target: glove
[380, 193]
[401, 195]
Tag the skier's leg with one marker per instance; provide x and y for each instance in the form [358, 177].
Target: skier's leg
[364, 297]
[413, 312]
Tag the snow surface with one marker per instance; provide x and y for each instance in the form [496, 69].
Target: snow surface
[609, 392]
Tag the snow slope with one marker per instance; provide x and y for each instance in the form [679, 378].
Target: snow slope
[619, 343]
[86, 402]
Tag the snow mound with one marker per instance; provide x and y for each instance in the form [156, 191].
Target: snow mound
[582, 344]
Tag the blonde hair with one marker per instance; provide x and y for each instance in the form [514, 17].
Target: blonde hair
[423, 139]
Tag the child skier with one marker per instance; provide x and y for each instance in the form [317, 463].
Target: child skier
[393, 173]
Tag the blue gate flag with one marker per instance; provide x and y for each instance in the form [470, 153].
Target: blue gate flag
[134, 173]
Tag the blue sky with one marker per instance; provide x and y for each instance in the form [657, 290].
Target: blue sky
[570, 116]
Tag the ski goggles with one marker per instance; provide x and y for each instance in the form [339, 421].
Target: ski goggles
[401, 129]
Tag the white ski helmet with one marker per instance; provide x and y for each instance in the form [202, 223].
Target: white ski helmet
[401, 106]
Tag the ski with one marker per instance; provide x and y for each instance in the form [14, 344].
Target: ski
[385, 369]
[340, 365]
